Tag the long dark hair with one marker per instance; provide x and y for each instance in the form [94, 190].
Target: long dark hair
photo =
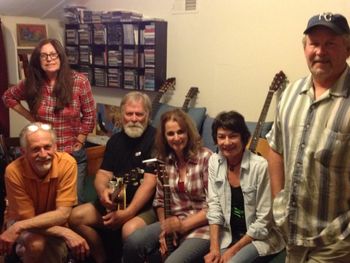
[185, 122]
[63, 89]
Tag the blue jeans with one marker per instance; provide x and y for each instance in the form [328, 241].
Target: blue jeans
[247, 254]
[144, 244]
[81, 159]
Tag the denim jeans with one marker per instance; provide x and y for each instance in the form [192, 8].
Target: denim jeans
[144, 244]
[81, 159]
[247, 254]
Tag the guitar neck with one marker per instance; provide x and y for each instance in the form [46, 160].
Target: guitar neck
[156, 104]
[261, 121]
[185, 105]
[167, 214]
[167, 198]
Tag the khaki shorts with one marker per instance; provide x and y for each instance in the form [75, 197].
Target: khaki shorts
[338, 252]
[147, 214]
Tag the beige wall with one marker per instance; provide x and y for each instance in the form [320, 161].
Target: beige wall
[230, 49]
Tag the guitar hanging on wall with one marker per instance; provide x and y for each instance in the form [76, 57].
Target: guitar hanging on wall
[191, 94]
[278, 81]
[168, 84]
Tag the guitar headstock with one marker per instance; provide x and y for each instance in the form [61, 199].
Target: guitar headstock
[192, 92]
[278, 81]
[133, 177]
[168, 84]
[159, 167]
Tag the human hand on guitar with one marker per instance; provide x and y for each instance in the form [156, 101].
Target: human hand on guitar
[172, 224]
[105, 198]
[163, 248]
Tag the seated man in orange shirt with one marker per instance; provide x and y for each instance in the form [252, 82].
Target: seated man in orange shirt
[41, 190]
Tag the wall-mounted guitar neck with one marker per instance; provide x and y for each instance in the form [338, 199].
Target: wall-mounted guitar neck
[168, 84]
[191, 94]
[278, 81]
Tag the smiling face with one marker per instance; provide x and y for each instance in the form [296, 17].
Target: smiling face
[49, 60]
[176, 137]
[326, 54]
[229, 143]
[39, 151]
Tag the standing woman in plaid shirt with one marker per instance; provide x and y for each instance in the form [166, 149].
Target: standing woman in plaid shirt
[59, 96]
[179, 144]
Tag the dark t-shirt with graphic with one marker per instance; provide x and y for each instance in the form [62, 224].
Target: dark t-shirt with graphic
[237, 221]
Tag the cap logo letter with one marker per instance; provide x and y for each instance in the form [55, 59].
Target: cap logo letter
[326, 16]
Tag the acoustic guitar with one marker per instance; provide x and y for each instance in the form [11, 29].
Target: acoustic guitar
[191, 94]
[167, 85]
[278, 81]
[164, 179]
[119, 186]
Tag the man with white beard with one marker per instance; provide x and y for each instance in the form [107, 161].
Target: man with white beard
[124, 151]
[41, 188]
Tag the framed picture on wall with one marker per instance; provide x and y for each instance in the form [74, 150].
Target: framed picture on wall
[29, 35]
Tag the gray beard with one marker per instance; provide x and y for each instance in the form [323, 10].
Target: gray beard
[134, 131]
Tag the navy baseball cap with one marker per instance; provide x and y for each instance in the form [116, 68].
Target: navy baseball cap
[336, 22]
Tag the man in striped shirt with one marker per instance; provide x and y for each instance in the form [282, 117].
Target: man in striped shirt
[309, 160]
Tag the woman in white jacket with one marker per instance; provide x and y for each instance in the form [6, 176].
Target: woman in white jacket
[239, 214]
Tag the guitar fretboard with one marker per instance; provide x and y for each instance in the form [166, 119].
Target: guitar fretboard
[278, 81]
[167, 214]
[261, 121]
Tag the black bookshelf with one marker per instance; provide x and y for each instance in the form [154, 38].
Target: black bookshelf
[126, 55]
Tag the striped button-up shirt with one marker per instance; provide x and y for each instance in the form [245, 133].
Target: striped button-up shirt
[313, 135]
[77, 118]
[193, 198]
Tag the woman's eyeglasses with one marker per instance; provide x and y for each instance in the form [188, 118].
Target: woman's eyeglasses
[44, 56]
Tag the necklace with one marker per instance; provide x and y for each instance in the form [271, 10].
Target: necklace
[232, 167]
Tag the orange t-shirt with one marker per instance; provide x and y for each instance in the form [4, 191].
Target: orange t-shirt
[29, 196]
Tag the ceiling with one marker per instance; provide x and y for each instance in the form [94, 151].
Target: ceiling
[36, 8]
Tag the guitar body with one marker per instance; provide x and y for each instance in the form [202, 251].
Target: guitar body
[262, 147]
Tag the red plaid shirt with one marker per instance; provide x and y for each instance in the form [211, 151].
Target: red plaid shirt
[78, 118]
[193, 199]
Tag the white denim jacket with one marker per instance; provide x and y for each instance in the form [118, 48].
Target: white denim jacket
[255, 185]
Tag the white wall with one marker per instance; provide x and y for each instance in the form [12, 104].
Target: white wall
[230, 49]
